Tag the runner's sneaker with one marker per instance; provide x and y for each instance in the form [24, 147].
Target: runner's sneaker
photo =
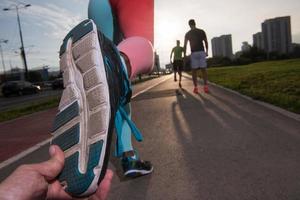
[95, 85]
[134, 167]
[196, 91]
[205, 88]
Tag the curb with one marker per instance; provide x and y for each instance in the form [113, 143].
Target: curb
[267, 105]
[264, 104]
[26, 116]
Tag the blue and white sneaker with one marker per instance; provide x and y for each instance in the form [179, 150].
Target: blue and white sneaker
[133, 168]
[95, 85]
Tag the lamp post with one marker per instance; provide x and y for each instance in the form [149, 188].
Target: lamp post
[23, 55]
[1, 51]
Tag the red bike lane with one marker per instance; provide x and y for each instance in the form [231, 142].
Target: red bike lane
[20, 134]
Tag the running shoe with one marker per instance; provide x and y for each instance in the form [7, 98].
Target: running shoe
[133, 168]
[196, 91]
[95, 85]
[205, 88]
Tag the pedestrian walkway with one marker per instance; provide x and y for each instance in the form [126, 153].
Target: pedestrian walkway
[212, 146]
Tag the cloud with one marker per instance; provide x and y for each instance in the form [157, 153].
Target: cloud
[4, 3]
[50, 20]
[56, 19]
[80, 1]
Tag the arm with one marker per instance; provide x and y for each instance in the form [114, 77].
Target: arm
[206, 44]
[184, 47]
[182, 52]
[171, 55]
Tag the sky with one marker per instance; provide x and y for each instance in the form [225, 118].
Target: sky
[45, 23]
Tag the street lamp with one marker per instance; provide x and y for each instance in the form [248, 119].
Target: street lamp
[23, 55]
[1, 51]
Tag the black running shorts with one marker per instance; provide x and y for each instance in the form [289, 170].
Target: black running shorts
[178, 65]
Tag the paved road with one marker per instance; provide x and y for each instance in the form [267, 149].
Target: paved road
[15, 101]
[210, 146]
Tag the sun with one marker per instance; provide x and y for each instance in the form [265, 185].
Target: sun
[166, 31]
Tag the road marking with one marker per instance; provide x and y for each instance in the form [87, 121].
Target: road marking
[149, 88]
[39, 145]
[23, 154]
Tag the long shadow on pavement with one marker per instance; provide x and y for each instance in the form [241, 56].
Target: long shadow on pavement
[231, 153]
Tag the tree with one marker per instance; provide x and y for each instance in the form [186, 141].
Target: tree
[254, 54]
[34, 76]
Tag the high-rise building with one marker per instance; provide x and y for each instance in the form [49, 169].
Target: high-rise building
[222, 46]
[258, 40]
[276, 35]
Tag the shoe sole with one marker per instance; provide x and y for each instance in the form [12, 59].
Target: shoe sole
[136, 173]
[82, 125]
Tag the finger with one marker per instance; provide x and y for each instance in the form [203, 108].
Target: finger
[55, 191]
[51, 168]
[105, 184]
[104, 187]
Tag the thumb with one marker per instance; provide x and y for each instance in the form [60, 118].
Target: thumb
[51, 168]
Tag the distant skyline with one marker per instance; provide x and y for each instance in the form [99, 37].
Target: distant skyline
[46, 22]
[241, 19]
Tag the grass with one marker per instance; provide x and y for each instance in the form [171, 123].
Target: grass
[275, 82]
[29, 109]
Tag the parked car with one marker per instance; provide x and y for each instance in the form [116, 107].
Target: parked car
[19, 88]
[58, 84]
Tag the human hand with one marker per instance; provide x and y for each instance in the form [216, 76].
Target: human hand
[101, 194]
[37, 181]
[104, 187]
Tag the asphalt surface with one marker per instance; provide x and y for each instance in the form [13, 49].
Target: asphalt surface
[7, 103]
[207, 146]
